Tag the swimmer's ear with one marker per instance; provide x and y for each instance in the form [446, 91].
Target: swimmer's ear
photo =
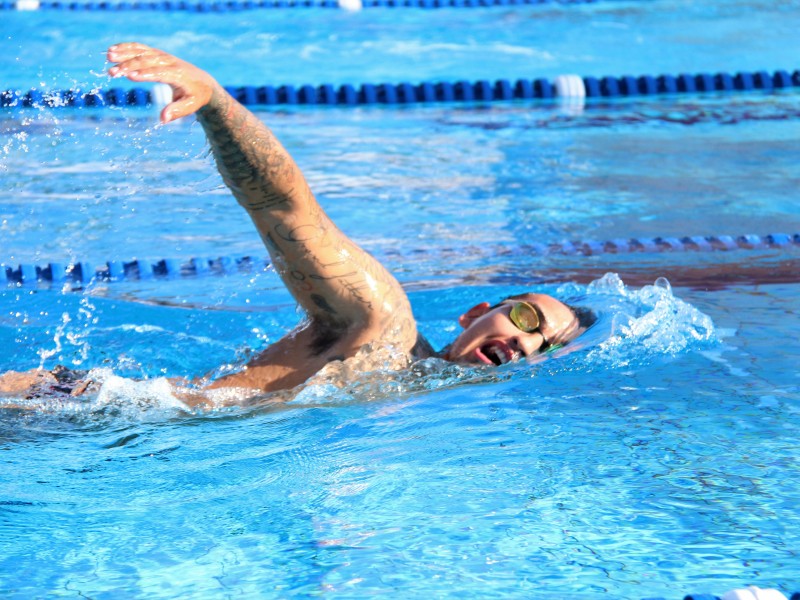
[473, 313]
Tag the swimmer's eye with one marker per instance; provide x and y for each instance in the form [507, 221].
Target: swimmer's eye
[525, 317]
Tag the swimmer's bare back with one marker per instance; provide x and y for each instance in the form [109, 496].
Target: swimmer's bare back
[349, 297]
[36, 384]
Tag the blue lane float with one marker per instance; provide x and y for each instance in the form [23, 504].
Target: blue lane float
[204, 6]
[564, 86]
[112, 271]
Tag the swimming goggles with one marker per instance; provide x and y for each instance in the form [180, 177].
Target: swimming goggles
[527, 318]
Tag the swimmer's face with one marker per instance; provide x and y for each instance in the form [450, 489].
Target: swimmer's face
[495, 335]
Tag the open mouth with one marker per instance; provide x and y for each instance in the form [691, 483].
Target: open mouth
[496, 353]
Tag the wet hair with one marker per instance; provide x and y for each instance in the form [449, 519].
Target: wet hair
[586, 316]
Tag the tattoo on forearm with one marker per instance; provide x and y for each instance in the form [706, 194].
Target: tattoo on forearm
[248, 156]
[355, 291]
[267, 201]
[301, 233]
[318, 263]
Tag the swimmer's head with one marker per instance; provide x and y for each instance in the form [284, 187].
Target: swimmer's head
[517, 327]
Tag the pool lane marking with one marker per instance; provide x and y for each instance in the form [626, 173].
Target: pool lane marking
[571, 90]
[139, 269]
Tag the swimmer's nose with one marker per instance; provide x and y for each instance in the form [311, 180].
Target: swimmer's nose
[526, 345]
[517, 345]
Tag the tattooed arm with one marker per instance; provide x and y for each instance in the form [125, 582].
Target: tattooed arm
[350, 298]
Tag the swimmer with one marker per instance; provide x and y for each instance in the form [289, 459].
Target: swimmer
[351, 301]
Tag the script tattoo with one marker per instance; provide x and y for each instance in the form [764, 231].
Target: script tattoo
[341, 286]
[268, 200]
[301, 233]
[248, 156]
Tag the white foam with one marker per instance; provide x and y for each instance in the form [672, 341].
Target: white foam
[134, 397]
[647, 322]
[231, 396]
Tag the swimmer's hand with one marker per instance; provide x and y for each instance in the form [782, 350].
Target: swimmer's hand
[192, 88]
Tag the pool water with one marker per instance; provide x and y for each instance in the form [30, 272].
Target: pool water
[656, 457]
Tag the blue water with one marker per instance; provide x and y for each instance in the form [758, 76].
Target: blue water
[316, 46]
[655, 458]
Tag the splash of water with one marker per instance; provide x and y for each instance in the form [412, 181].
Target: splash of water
[634, 326]
[646, 322]
[132, 399]
[72, 335]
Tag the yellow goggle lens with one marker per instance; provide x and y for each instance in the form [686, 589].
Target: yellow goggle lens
[525, 317]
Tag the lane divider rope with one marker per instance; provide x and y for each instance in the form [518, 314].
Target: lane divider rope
[564, 86]
[220, 6]
[84, 272]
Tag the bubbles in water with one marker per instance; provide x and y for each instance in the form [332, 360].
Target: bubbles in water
[646, 322]
[133, 398]
[634, 327]
[45, 353]
[72, 334]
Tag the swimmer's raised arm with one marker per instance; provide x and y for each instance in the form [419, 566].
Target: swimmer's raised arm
[350, 298]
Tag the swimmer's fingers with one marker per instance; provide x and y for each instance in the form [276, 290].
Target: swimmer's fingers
[145, 61]
[182, 108]
[192, 87]
[135, 60]
[120, 52]
[149, 61]
[134, 57]
[156, 73]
